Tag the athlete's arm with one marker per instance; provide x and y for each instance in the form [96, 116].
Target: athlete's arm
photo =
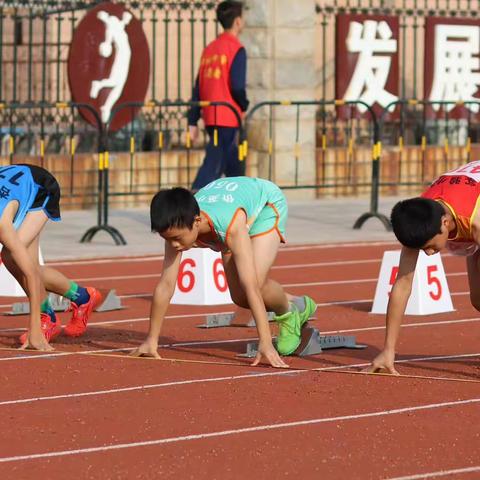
[19, 253]
[476, 228]
[161, 299]
[395, 310]
[241, 247]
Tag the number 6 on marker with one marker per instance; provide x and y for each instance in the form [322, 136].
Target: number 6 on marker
[219, 277]
[186, 278]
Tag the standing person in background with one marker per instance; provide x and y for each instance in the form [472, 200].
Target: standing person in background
[221, 78]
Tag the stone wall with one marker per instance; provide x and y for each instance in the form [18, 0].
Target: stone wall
[279, 39]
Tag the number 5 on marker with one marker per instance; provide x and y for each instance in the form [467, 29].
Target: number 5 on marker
[434, 281]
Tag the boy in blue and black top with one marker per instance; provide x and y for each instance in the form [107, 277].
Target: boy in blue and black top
[29, 196]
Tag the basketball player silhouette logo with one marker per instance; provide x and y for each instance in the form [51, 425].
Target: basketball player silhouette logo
[108, 65]
[115, 36]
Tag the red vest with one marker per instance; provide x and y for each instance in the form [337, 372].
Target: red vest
[214, 80]
[459, 190]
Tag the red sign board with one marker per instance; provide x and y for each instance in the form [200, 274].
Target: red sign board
[109, 64]
[367, 60]
[452, 65]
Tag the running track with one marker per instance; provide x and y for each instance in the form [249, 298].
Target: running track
[88, 411]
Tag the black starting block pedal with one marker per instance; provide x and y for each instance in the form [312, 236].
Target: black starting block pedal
[312, 343]
[111, 301]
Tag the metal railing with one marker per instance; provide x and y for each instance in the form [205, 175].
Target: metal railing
[157, 131]
[335, 110]
[350, 148]
[35, 38]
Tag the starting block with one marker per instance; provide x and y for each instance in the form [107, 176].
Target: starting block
[231, 320]
[312, 343]
[228, 320]
[111, 301]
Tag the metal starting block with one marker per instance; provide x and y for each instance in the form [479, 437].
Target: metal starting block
[312, 343]
[228, 320]
[111, 301]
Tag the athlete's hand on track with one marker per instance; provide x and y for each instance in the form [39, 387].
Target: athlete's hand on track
[383, 361]
[270, 354]
[36, 341]
[147, 349]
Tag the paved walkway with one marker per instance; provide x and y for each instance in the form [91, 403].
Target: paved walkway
[316, 221]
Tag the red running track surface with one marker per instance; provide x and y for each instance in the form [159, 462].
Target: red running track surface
[81, 413]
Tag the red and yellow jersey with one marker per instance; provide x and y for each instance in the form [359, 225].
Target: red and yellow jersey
[459, 191]
[214, 80]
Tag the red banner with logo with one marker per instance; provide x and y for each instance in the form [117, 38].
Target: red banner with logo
[109, 64]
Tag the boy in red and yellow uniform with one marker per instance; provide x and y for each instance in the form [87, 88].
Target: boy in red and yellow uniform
[221, 78]
[445, 216]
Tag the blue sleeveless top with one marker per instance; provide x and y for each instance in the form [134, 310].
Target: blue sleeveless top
[16, 183]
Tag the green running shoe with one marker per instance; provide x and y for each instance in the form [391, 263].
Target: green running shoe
[289, 331]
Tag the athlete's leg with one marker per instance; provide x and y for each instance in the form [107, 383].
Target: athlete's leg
[28, 233]
[473, 270]
[265, 248]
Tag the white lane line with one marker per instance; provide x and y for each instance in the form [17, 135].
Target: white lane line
[283, 249]
[327, 332]
[275, 373]
[440, 473]
[288, 285]
[237, 431]
[325, 304]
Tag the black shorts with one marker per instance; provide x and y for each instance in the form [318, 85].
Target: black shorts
[48, 196]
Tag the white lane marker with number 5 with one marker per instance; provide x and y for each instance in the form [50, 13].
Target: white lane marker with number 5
[430, 292]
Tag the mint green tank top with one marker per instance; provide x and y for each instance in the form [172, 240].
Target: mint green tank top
[221, 199]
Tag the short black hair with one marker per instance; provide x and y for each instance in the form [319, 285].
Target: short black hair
[416, 221]
[228, 11]
[176, 207]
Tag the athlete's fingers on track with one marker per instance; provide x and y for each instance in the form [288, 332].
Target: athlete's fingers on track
[46, 348]
[138, 353]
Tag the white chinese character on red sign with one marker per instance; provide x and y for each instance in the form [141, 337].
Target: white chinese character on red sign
[456, 74]
[369, 39]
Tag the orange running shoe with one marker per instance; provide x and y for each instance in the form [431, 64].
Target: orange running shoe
[50, 329]
[81, 313]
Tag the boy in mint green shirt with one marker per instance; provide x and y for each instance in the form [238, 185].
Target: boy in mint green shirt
[244, 219]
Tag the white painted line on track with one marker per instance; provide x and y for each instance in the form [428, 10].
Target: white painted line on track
[440, 473]
[287, 285]
[237, 431]
[171, 317]
[143, 258]
[325, 304]
[275, 373]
